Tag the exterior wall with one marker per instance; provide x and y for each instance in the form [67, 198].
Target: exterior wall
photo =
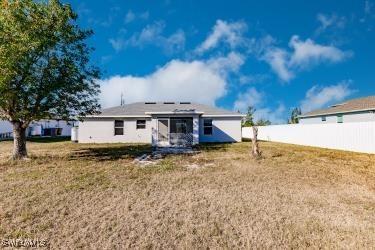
[351, 136]
[350, 117]
[196, 130]
[66, 126]
[224, 129]
[102, 131]
[6, 127]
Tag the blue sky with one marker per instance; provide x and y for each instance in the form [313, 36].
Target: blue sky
[274, 55]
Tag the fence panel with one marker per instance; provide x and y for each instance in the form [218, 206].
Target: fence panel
[356, 136]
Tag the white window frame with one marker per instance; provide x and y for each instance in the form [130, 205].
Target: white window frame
[208, 126]
[340, 118]
[136, 124]
[117, 127]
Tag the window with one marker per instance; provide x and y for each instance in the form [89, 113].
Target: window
[141, 124]
[207, 126]
[339, 119]
[119, 127]
[324, 118]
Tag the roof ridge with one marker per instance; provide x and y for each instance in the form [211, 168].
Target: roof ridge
[356, 99]
[353, 105]
[141, 108]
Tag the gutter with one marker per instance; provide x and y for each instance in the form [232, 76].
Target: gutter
[229, 115]
[149, 115]
[174, 113]
[117, 116]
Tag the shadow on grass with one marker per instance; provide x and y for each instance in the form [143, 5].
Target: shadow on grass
[110, 153]
[213, 146]
[48, 139]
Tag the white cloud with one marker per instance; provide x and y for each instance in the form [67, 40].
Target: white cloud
[251, 97]
[175, 42]
[285, 62]
[230, 63]
[368, 13]
[230, 33]
[329, 21]
[319, 97]
[251, 79]
[325, 20]
[368, 7]
[308, 52]
[275, 116]
[152, 34]
[148, 34]
[198, 81]
[145, 15]
[278, 59]
[303, 55]
[131, 16]
[256, 99]
[117, 43]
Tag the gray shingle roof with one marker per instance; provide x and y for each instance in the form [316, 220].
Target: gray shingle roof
[140, 108]
[359, 104]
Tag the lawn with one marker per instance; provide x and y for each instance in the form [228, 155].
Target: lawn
[93, 196]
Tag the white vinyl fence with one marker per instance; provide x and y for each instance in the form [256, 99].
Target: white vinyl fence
[356, 136]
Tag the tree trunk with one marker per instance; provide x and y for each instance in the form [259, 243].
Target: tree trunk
[19, 140]
[255, 148]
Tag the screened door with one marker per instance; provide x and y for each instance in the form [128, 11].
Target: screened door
[163, 131]
[181, 131]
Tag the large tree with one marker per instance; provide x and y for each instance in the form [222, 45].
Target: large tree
[45, 71]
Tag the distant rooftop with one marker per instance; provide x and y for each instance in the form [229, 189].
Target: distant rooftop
[145, 108]
[359, 104]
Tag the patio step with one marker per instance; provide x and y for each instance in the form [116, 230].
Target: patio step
[174, 150]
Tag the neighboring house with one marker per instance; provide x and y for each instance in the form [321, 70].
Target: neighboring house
[6, 129]
[39, 128]
[356, 110]
[161, 124]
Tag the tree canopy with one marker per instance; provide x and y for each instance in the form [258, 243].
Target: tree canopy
[263, 122]
[248, 120]
[45, 70]
[294, 116]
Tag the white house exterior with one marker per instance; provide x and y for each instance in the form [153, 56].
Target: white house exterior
[39, 128]
[161, 124]
[356, 110]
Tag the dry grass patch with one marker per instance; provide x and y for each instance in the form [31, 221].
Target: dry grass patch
[92, 196]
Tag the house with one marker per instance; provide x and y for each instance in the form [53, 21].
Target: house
[39, 128]
[6, 129]
[356, 110]
[161, 124]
